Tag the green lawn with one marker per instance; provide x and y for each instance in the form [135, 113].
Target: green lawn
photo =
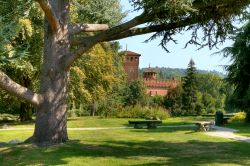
[244, 129]
[79, 122]
[134, 147]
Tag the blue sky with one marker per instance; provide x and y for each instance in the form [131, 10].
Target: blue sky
[178, 57]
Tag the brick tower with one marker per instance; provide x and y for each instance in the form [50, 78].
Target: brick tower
[131, 65]
[149, 74]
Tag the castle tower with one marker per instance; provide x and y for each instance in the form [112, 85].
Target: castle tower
[149, 74]
[131, 65]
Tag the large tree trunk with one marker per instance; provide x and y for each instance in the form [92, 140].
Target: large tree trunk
[51, 115]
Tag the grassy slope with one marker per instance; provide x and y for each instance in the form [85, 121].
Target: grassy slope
[167, 146]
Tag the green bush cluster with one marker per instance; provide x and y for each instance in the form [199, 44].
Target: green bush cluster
[7, 117]
[77, 112]
[238, 117]
[143, 112]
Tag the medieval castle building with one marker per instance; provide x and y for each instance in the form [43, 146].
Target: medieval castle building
[154, 86]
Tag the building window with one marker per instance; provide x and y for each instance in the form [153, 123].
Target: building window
[131, 59]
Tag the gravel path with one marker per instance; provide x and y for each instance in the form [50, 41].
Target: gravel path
[227, 133]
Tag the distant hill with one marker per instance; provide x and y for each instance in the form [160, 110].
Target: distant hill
[164, 73]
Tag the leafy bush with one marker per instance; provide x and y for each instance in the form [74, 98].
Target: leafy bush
[238, 117]
[143, 112]
[77, 112]
[7, 117]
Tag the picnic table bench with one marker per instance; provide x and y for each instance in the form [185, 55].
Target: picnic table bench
[204, 126]
[138, 124]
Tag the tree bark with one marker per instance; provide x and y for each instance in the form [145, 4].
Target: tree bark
[51, 115]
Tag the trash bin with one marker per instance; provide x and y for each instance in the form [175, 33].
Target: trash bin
[219, 118]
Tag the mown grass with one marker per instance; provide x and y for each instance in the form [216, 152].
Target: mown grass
[118, 147]
[243, 128]
[81, 122]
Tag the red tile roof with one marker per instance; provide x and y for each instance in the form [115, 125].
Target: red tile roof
[131, 53]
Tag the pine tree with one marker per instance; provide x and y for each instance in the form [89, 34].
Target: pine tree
[239, 70]
[189, 95]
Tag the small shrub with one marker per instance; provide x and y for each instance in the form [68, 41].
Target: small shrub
[238, 117]
[7, 117]
[77, 113]
[160, 113]
[143, 112]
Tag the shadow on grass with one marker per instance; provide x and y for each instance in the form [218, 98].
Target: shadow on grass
[158, 153]
[187, 130]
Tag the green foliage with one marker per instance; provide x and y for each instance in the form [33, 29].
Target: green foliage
[156, 101]
[212, 31]
[239, 70]
[7, 117]
[213, 91]
[135, 93]
[173, 101]
[97, 11]
[164, 73]
[138, 111]
[94, 78]
[20, 32]
[238, 117]
[190, 90]
[199, 93]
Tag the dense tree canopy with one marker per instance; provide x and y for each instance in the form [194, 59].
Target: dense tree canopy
[239, 70]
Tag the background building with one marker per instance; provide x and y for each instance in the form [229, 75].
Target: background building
[131, 65]
[154, 86]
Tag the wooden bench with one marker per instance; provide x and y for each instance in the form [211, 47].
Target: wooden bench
[138, 124]
[204, 126]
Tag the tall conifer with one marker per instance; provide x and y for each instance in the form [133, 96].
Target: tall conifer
[189, 96]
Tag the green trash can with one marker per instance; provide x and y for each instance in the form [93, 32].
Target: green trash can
[219, 118]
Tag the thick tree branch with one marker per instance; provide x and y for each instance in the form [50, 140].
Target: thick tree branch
[88, 42]
[14, 88]
[150, 29]
[70, 58]
[123, 27]
[52, 19]
[141, 31]
[74, 29]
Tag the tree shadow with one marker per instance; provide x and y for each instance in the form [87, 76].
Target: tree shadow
[159, 153]
[186, 130]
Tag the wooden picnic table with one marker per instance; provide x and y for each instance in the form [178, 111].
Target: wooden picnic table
[204, 126]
